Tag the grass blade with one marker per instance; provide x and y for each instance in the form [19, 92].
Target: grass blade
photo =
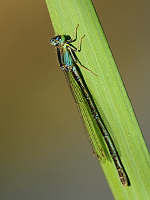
[109, 95]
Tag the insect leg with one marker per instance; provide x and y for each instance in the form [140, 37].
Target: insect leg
[75, 61]
[74, 35]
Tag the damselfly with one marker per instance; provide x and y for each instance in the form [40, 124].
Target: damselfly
[68, 62]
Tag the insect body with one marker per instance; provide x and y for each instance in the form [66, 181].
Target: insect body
[69, 64]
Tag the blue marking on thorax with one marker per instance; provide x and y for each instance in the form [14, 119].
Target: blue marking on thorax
[67, 59]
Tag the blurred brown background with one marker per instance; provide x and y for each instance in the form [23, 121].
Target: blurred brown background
[44, 153]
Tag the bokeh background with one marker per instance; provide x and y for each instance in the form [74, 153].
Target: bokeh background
[44, 152]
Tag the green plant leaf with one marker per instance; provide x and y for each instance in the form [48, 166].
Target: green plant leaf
[109, 95]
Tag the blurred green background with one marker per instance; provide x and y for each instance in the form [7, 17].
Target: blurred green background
[44, 152]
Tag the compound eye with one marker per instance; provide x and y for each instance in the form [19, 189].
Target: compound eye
[58, 38]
